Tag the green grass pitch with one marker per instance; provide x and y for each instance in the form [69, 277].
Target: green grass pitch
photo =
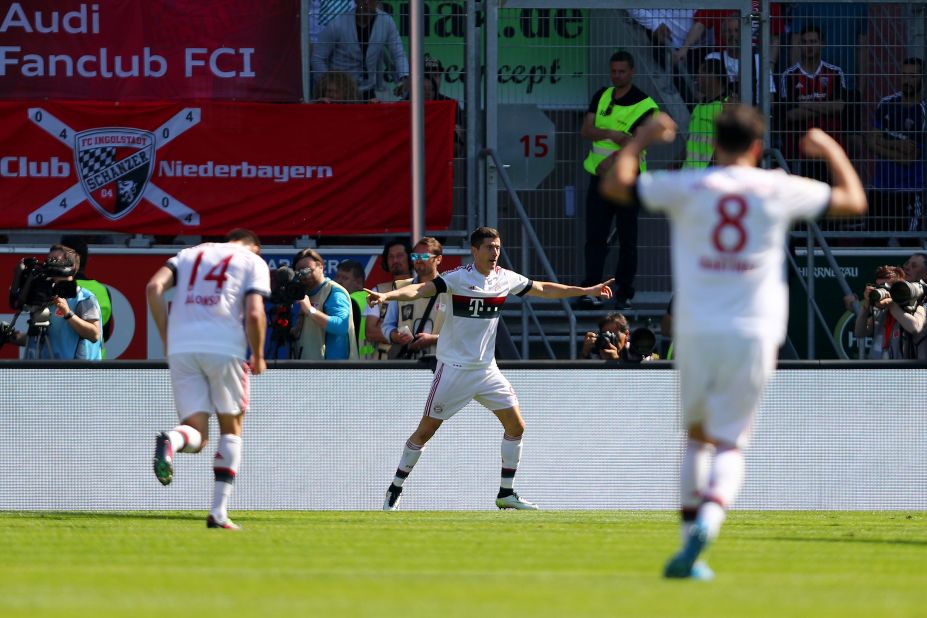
[482, 564]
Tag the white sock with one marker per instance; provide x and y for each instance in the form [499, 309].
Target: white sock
[410, 454]
[727, 477]
[185, 439]
[511, 455]
[225, 469]
[693, 480]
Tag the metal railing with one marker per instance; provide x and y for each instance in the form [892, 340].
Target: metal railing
[529, 235]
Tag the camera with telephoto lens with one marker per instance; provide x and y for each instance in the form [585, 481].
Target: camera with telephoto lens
[604, 339]
[908, 295]
[34, 286]
[879, 292]
[641, 345]
[287, 287]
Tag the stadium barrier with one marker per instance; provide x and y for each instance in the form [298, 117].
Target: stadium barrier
[328, 436]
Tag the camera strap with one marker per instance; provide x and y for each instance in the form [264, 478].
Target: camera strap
[404, 350]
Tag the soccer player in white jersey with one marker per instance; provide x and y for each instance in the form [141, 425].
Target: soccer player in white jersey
[729, 227]
[217, 313]
[466, 368]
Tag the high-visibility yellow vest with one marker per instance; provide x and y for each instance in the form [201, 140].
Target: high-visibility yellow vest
[365, 349]
[619, 118]
[700, 144]
[106, 305]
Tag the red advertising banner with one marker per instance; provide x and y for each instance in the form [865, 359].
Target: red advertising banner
[204, 168]
[150, 50]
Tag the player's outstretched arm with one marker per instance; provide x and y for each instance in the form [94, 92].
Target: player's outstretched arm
[549, 289]
[847, 195]
[160, 282]
[409, 292]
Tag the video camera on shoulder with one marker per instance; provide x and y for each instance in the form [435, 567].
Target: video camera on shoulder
[286, 287]
[33, 282]
[908, 295]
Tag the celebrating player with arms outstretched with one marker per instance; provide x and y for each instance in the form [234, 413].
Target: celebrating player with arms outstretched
[216, 314]
[729, 226]
[467, 367]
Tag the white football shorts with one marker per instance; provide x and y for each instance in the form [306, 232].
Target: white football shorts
[722, 378]
[204, 382]
[454, 387]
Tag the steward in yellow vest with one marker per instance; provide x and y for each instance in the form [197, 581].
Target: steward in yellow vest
[614, 114]
[700, 141]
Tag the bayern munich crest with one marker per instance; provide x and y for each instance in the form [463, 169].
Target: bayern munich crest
[114, 166]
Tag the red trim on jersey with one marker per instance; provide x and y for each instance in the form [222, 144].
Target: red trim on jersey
[487, 300]
[243, 405]
[227, 471]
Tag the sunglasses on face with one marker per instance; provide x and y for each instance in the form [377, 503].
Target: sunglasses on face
[416, 257]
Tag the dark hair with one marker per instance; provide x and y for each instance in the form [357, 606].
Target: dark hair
[354, 268]
[812, 28]
[389, 245]
[307, 253]
[622, 56]
[892, 273]
[620, 321]
[70, 254]
[738, 127]
[434, 246]
[433, 64]
[247, 237]
[482, 233]
[77, 242]
[919, 63]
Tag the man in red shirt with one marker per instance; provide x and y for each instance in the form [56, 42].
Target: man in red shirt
[812, 94]
[712, 19]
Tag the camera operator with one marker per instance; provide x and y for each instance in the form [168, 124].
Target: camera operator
[73, 330]
[608, 342]
[905, 322]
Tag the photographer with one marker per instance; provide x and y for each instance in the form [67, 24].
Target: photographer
[905, 319]
[325, 327]
[870, 321]
[73, 324]
[609, 341]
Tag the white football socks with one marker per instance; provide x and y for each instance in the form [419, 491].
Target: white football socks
[225, 468]
[410, 454]
[693, 480]
[185, 439]
[727, 477]
[511, 455]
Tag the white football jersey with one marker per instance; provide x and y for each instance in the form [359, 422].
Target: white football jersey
[729, 227]
[211, 282]
[468, 336]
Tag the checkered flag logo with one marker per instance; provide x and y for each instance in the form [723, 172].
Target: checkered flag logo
[94, 160]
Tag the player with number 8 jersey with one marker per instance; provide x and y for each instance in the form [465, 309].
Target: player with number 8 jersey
[729, 229]
[217, 313]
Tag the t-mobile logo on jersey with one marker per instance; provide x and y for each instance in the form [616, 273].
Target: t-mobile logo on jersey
[476, 304]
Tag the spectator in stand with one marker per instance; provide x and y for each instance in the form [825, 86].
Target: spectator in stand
[351, 276]
[357, 42]
[613, 115]
[711, 21]
[730, 56]
[714, 94]
[898, 142]
[846, 25]
[812, 94]
[337, 87]
[325, 328]
[667, 28]
[397, 262]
